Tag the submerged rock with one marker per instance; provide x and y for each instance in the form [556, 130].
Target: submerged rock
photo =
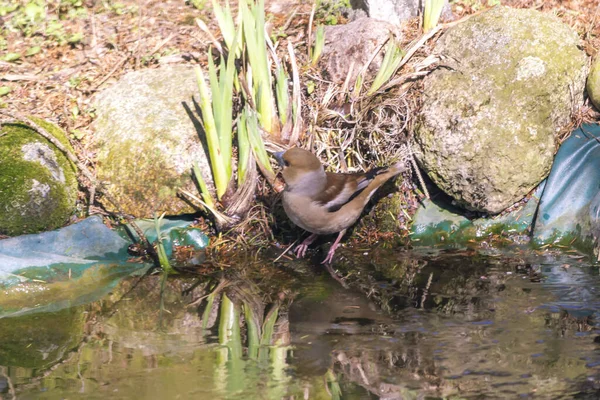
[147, 140]
[38, 184]
[353, 43]
[491, 115]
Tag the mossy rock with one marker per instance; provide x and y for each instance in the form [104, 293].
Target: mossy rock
[38, 184]
[491, 116]
[383, 217]
[147, 139]
[593, 83]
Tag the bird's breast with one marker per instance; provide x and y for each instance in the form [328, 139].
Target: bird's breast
[314, 217]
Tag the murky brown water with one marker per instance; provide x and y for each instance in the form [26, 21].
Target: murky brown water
[411, 326]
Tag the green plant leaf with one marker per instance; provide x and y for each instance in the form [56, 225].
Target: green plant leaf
[226, 24]
[160, 248]
[253, 24]
[258, 147]
[212, 138]
[32, 51]
[206, 196]
[243, 147]
[389, 65]
[283, 97]
[432, 13]
[11, 57]
[317, 49]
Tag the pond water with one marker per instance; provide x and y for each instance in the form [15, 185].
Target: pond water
[446, 325]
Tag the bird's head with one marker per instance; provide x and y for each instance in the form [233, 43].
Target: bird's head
[301, 168]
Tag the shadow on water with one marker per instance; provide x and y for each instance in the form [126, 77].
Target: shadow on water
[412, 325]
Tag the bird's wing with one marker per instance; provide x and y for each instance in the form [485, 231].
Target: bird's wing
[342, 188]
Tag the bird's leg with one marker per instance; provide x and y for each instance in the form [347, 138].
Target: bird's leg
[335, 245]
[300, 250]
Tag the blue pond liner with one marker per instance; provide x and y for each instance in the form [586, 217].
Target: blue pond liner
[76, 264]
[437, 222]
[89, 242]
[570, 205]
[75, 247]
[564, 210]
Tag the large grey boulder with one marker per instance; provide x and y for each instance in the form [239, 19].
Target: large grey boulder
[491, 114]
[354, 43]
[146, 140]
[38, 184]
[396, 11]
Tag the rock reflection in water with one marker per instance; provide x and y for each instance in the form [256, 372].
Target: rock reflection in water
[471, 325]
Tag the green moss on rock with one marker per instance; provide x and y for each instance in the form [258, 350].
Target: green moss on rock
[489, 121]
[38, 184]
[147, 139]
[593, 83]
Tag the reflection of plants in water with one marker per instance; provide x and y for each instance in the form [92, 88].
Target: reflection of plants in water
[566, 323]
[448, 284]
[371, 369]
[4, 376]
[333, 386]
[245, 318]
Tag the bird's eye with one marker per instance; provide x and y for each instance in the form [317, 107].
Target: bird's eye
[286, 163]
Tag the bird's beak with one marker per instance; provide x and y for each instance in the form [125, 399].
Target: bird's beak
[279, 157]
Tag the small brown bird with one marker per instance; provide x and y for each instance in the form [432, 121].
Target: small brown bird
[324, 202]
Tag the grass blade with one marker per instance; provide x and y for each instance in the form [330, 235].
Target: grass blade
[258, 147]
[226, 133]
[206, 196]
[389, 65]
[432, 13]
[253, 22]
[296, 97]
[317, 49]
[225, 22]
[160, 248]
[212, 137]
[243, 148]
[253, 331]
[283, 97]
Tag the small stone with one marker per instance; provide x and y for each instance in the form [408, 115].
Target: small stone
[38, 184]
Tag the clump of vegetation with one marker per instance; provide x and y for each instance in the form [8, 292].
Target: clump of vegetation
[331, 12]
[243, 94]
[36, 17]
[245, 99]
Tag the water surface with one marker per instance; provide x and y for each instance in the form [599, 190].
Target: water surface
[460, 324]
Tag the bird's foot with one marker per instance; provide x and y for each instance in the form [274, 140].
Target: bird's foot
[334, 246]
[330, 254]
[300, 250]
